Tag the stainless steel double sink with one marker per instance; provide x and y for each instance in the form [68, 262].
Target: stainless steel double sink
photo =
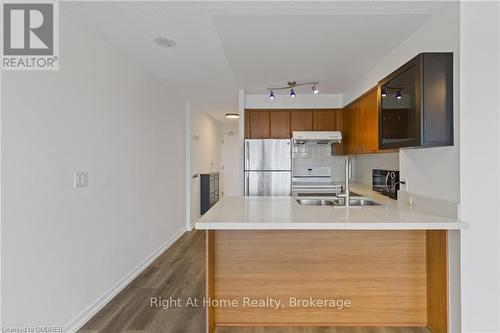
[356, 201]
[363, 202]
[318, 202]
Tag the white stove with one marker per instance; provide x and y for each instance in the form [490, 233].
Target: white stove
[314, 181]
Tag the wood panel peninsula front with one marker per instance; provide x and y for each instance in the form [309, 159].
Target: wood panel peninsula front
[273, 262]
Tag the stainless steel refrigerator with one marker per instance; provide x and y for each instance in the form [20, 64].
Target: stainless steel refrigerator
[268, 167]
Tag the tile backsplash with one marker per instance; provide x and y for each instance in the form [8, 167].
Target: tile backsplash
[319, 155]
[362, 165]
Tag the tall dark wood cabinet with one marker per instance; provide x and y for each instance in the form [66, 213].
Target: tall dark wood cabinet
[209, 191]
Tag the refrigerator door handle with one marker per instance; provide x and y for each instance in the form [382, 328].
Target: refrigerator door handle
[247, 155]
[247, 183]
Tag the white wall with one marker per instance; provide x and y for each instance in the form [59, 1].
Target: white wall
[205, 154]
[480, 165]
[230, 160]
[431, 172]
[363, 165]
[64, 248]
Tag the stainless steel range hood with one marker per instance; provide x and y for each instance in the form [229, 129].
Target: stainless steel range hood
[316, 137]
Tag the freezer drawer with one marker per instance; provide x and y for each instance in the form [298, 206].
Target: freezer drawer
[268, 155]
[268, 183]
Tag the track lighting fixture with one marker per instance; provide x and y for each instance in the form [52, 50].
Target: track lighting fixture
[398, 94]
[292, 85]
[384, 93]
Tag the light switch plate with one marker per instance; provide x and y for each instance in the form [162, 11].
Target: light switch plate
[81, 179]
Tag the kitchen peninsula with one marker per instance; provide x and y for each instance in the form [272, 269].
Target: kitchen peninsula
[386, 265]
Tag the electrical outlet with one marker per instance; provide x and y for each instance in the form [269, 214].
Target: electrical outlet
[81, 179]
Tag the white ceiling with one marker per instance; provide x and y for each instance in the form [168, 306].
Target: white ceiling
[226, 46]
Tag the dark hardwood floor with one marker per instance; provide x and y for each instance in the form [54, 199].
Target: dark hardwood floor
[180, 273]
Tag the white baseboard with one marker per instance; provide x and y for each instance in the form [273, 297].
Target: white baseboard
[80, 320]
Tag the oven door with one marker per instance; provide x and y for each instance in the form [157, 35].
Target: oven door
[316, 190]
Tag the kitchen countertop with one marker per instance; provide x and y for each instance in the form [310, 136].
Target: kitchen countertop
[275, 213]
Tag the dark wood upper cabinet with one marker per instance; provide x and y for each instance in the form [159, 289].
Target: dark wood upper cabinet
[267, 124]
[280, 124]
[260, 124]
[415, 103]
[301, 121]
[359, 125]
[324, 120]
[369, 113]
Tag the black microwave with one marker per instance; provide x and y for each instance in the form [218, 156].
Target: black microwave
[386, 182]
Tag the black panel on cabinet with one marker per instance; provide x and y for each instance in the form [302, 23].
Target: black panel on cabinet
[209, 191]
[438, 99]
[416, 103]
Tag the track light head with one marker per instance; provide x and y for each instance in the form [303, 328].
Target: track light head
[398, 94]
[383, 93]
[292, 93]
[315, 90]
[271, 94]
